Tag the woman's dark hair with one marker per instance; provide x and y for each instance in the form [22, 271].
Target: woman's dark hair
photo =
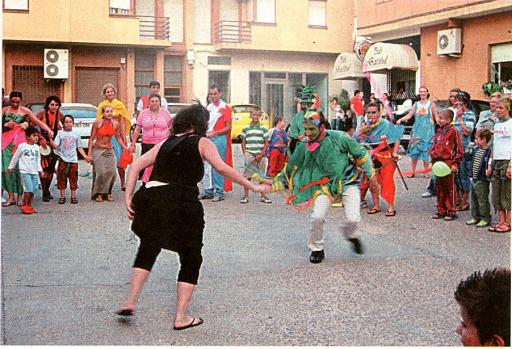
[464, 97]
[155, 95]
[49, 99]
[68, 116]
[15, 94]
[194, 118]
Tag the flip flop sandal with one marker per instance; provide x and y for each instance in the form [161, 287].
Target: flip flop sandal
[191, 324]
[8, 203]
[499, 229]
[99, 198]
[110, 198]
[373, 211]
[74, 201]
[62, 201]
[391, 213]
[493, 228]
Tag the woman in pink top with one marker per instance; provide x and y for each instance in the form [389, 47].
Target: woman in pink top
[156, 123]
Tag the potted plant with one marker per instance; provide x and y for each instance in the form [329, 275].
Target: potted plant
[490, 87]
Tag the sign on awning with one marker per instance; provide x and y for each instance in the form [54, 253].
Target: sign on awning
[385, 56]
[347, 67]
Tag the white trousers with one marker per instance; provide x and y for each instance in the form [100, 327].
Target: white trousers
[349, 228]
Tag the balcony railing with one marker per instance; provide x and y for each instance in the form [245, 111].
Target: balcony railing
[154, 27]
[232, 32]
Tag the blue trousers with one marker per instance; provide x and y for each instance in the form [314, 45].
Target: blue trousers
[463, 179]
[213, 182]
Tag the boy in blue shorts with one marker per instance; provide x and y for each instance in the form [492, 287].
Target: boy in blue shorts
[28, 159]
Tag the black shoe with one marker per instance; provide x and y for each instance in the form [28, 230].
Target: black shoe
[50, 196]
[46, 198]
[317, 256]
[124, 312]
[357, 247]
[205, 197]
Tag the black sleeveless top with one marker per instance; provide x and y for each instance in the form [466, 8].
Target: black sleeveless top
[179, 161]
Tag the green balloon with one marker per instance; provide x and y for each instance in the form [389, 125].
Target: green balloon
[441, 169]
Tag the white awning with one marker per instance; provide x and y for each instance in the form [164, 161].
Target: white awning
[347, 66]
[383, 56]
[501, 53]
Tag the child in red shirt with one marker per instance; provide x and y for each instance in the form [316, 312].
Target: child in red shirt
[447, 147]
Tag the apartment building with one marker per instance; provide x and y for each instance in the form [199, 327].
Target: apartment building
[458, 43]
[258, 51]
[72, 48]
[261, 51]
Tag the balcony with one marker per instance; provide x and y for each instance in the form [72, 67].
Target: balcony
[151, 27]
[228, 34]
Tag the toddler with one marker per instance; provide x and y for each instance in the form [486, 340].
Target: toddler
[276, 150]
[28, 158]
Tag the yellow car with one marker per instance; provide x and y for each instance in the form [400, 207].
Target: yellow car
[241, 118]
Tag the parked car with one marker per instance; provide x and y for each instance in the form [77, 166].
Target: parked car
[174, 108]
[242, 118]
[476, 105]
[35, 107]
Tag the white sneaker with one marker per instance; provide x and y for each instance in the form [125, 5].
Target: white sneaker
[427, 194]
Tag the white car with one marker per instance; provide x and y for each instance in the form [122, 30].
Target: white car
[84, 115]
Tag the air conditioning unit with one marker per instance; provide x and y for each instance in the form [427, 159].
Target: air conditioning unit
[55, 63]
[449, 42]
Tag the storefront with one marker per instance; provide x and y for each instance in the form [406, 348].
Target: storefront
[392, 68]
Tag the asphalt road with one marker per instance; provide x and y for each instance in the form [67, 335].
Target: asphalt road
[66, 270]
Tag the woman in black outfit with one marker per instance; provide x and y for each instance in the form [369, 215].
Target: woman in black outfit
[167, 213]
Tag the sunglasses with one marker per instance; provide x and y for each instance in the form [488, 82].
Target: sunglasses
[372, 112]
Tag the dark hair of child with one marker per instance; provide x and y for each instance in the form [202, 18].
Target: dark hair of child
[29, 131]
[484, 133]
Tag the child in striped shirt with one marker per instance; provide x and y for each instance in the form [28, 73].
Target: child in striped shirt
[480, 206]
[254, 145]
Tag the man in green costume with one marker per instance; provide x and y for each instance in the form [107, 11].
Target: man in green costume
[325, 166]
[297, 124]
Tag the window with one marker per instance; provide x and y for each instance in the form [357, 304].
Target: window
[219, 60]
[501, 56]
[317, 13]
[143, 74]
[255, 88]
[265, 11]
[120, 7]
[221, 79]
[275, 91]
[16, 5]
[173, 78]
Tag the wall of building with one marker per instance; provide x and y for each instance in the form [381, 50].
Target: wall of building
[472, 69]
[291, 32]
[63, 22]
[377, 16]
[372, 12]
[32, 55]
[243, 63]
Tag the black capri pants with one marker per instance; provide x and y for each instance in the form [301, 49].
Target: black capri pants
[190, 260]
